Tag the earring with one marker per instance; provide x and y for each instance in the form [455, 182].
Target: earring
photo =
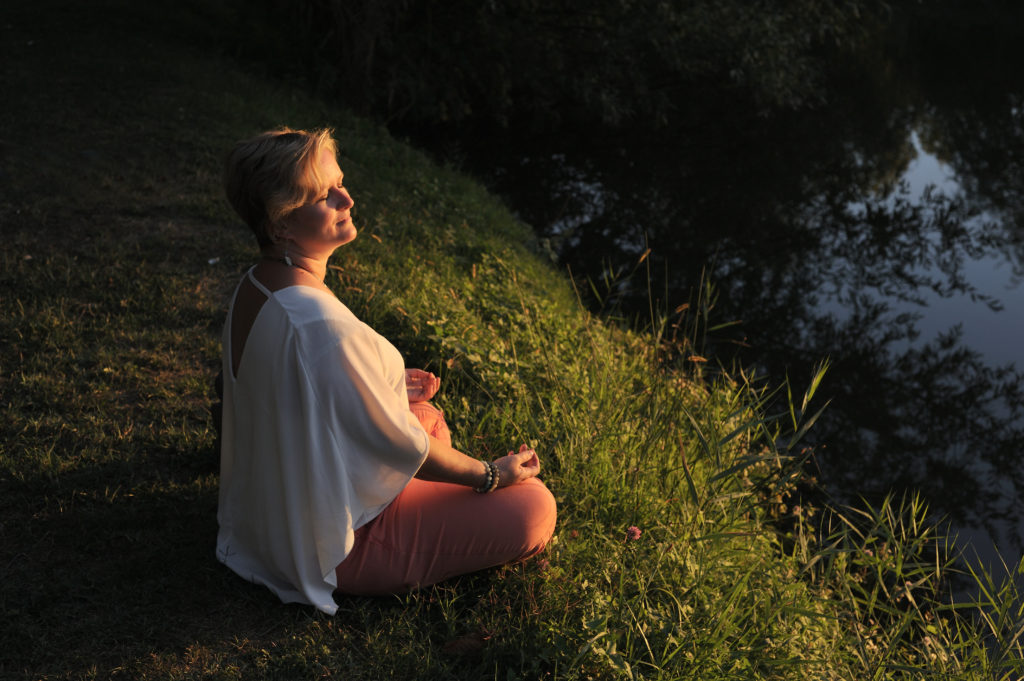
[287, 260]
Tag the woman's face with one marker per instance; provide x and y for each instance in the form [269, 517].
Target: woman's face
[319, 227]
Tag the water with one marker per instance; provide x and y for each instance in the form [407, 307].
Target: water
[883, 229]
[997, 334]
[995, 330]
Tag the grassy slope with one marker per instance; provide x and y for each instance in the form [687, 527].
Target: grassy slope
[116, 259]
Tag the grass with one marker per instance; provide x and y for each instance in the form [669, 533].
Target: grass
[117, 257]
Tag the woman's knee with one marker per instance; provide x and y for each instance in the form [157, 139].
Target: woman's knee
[537, 513]
[432, 420]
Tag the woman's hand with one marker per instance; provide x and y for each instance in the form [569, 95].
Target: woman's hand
[447, 464]
[421, 385]
[518, 466]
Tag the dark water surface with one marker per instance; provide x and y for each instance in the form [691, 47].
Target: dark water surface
[884, 229]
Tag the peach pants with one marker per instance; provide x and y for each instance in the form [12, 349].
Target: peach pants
[436, 530]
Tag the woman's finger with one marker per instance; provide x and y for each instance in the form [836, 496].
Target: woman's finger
[528, 459]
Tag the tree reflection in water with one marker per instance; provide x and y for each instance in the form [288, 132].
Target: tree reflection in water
[815, 242]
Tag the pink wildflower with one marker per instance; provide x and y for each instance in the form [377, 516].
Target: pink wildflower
[632, 533]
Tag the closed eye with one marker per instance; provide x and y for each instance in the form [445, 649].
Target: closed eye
[339, 186]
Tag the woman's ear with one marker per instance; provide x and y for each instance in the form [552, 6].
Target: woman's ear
[279, 232]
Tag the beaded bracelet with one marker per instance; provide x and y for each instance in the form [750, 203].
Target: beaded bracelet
[494, 483]
[492, 479]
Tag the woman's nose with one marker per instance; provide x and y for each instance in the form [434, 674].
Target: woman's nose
[346, 200]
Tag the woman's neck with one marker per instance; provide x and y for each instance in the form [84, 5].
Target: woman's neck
[311, 266]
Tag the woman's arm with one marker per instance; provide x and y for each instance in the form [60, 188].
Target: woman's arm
[447, 464]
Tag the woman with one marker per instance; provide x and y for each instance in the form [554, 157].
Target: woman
[337, 475]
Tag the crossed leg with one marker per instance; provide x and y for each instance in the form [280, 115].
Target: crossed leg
[436, 530]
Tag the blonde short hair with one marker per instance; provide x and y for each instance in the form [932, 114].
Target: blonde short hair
[270, 175]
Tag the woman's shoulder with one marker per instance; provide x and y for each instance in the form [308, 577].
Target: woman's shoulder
[309, 311]
[305, 304]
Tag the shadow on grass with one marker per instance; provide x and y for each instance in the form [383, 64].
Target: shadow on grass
[108, 572]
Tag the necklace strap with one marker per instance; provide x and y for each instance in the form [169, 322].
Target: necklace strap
[290, 263]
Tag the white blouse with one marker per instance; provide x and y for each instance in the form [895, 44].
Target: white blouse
[317, 439]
